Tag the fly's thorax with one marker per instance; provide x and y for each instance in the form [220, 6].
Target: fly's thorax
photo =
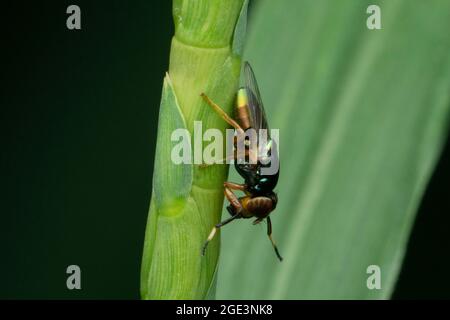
[247, 171]
[263, 184]
[257, 183]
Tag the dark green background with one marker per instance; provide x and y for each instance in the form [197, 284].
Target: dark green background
[81, 110]
[79, 117]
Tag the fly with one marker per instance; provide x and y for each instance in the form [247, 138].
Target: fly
[259, 199]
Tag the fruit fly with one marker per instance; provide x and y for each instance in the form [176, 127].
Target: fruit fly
[259, 199]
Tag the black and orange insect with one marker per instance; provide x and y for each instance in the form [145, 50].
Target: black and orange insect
[259, 199]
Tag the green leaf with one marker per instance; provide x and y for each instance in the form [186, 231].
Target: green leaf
[363, 115]
[171, 182]
[240, 31]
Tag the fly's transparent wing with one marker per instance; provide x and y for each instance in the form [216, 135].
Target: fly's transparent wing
[257, 114]
[255, 105]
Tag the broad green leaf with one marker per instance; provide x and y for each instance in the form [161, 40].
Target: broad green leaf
[363, 115]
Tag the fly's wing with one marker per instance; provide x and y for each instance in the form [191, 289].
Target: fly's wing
[255, 105]
[257, 114]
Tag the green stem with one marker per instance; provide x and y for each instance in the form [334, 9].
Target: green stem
[187, 200]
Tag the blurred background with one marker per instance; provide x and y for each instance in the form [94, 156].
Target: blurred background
[79, 117]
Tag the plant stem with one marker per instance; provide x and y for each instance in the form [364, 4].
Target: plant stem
[187, 200]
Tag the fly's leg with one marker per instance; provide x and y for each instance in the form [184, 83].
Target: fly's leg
[269, 233]
[234, 186]
[221, 113]
[234, 201]
[214, 230]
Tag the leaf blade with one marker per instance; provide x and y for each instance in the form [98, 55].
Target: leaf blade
[363, 108]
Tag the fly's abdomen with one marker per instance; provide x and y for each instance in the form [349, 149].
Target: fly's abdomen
[242, 111]
[260, 206]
